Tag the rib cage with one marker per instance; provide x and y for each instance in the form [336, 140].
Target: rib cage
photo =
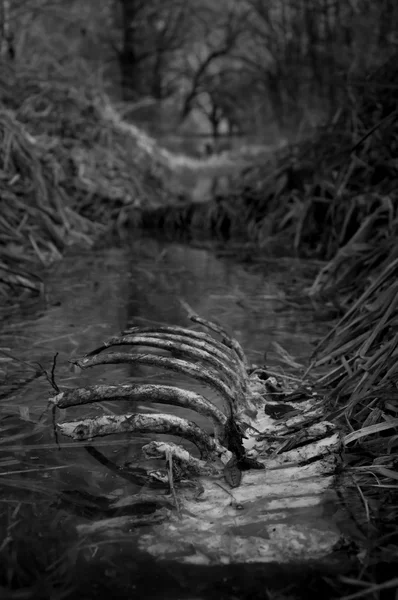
[245, 439]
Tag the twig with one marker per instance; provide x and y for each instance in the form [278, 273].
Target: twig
[56, 388]
[169, 459]
[51, 380]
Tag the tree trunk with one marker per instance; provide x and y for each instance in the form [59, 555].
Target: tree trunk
[128, 60]
[7, 50]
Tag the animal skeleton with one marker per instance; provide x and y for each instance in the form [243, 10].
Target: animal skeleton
[269, 460]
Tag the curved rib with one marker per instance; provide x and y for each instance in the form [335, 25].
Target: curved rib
[226, 339]
[161, 394]
[190, 464]
[142, 423]
[190, 333]
[184, 349]
[174, 364]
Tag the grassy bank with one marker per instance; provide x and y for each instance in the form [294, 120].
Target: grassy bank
[336, 198]
[70, 170]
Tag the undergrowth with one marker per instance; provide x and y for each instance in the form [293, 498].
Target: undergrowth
[70, 169]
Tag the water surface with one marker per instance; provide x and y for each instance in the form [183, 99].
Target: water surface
[93, 295]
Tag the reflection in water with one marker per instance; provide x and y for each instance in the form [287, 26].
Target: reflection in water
[245, 303]
[91, 296]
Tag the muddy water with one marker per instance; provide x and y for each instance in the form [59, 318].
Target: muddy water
[91, 296]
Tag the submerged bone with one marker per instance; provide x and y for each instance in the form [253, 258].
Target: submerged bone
[192, 465]
[187, 351]
[275, 514]
[190, 334]
[218, 350]
[143, 499]
[112, 526]
[174, 364]
[226, 339]
[88, 429]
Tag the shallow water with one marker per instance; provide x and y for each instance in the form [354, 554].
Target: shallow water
[93, 295]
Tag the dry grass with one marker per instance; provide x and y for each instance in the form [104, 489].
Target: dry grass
[333, 196]
[360, 358]
[69, 169]
[337, 198]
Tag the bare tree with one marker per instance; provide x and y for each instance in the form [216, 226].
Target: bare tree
[218, 35]
[221, 100]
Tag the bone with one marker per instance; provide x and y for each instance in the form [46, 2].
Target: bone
[161, 394]
[187, 350]
[113, 525]
[190, 334]
[174, 364]
[226, 339]
[189, 463]
[88, 429]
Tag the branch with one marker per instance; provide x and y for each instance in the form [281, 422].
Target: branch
[232, 30]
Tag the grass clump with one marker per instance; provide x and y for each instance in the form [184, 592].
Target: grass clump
[360, 356]
[338, 189]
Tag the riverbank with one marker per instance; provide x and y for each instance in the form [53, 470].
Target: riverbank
[71, 169]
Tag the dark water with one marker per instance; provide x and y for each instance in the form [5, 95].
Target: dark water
[91, 296]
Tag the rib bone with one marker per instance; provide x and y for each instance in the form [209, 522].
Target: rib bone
[192, 465]
[162, 394]
[184, 349]
[174, 364]
[226, 339]
[190, 334]
[87, 429]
